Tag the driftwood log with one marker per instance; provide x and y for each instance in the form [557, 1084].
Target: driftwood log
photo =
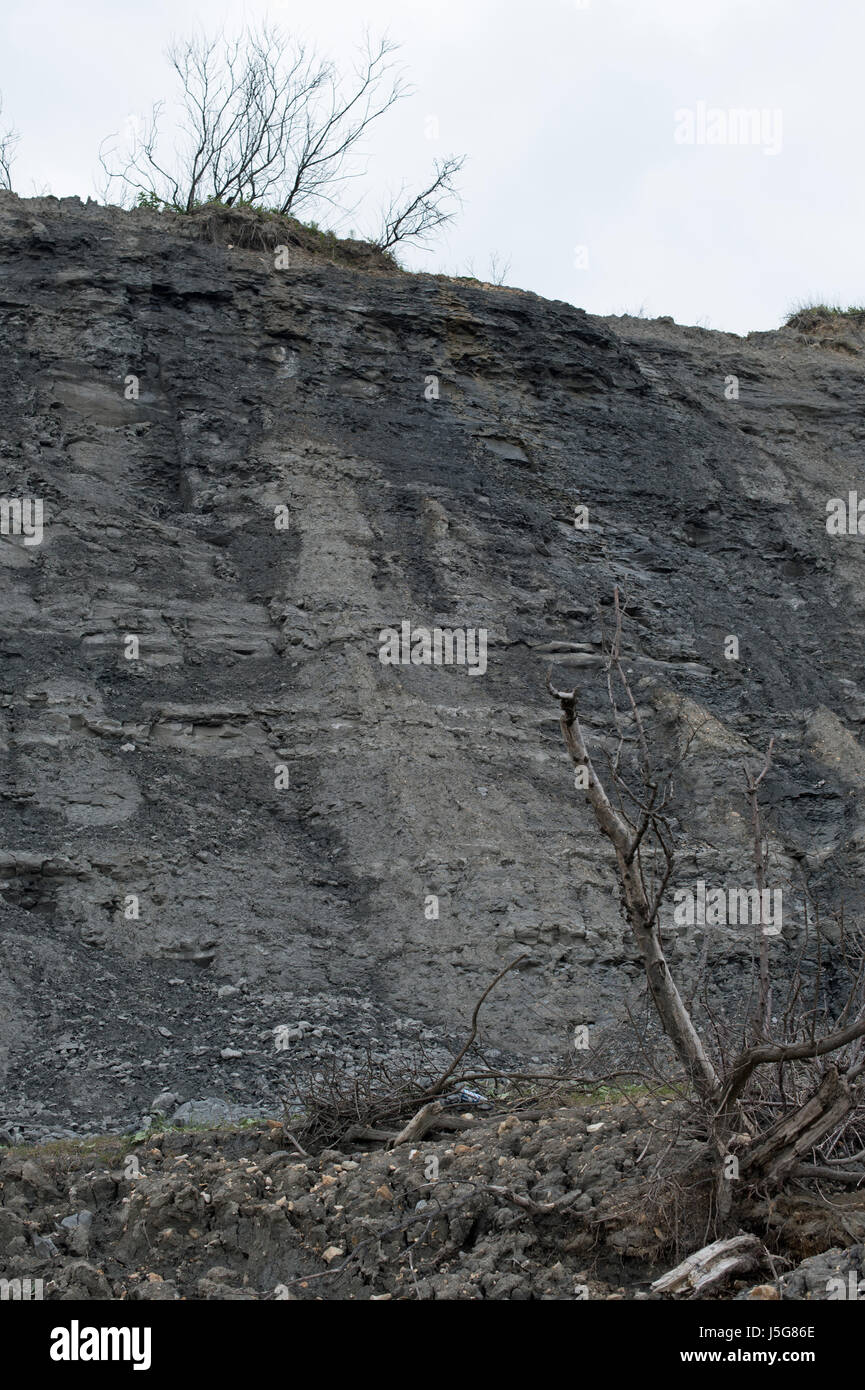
[711, 1266]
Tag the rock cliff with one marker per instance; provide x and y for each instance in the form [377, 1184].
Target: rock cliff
[222, 814]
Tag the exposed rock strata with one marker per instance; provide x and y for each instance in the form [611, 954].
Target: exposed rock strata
[154, 778]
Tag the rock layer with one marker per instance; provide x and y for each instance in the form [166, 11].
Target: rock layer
[237, 820]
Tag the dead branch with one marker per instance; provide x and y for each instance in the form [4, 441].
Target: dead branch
[781, 1052]
[640, 909]
[8, 141]
[418, 1125]
[442, 1081]
[288, 1134]
[825, 1174]
[710, 1266]
[527, 1203]
[779, 1148]
[425, 212]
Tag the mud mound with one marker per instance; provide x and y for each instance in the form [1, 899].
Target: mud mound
[254, 229]
[841, 329]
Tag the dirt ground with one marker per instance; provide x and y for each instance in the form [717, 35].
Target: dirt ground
[569, 1204]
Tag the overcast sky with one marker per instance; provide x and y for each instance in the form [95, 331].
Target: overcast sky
[575, 120]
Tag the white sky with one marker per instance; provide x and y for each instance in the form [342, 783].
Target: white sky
[567, 116]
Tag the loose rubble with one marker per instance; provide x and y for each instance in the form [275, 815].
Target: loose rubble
[554, 1206]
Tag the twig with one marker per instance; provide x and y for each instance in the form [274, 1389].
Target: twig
[288, 1134]
[439, 1085]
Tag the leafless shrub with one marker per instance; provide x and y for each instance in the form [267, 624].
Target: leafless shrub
[333, 1107]
[268, 123]
[499, 269]
[418, 216]
[9, 139]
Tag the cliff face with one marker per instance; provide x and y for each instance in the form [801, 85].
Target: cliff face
[430, 440]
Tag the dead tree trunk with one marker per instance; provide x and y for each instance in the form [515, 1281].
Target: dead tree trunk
[640, 908]
[777, 1152]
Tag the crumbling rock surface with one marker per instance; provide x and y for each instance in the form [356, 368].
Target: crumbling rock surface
[431, 439]
[568, 1204]
[515, 1208]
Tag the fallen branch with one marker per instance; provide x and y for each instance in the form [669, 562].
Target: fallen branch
[366, 1133]
[711, 1265]
[418, 1125]
[839, 1175]
[535, 1208]
[288, 1134]
[779, 1148]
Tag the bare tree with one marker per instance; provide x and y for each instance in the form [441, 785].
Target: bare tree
[423, 213]
[264, 121]
[820, 1103]
[499, 269]
[8, 140]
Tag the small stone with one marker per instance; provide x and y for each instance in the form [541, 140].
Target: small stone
[44, 1245]
[165, 1103]
[81, 1218]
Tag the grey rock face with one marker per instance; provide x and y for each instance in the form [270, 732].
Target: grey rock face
[212, 780]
